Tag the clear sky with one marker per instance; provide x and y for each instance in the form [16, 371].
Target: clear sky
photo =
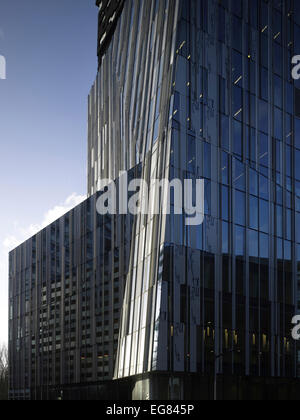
[50, 51]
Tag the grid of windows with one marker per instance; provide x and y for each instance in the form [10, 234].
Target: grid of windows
[243, 124]
[66, 290]
[186, 89]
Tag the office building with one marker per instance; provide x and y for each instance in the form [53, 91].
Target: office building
[148, 306]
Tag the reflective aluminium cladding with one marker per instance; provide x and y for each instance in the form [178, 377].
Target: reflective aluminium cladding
[198, 89]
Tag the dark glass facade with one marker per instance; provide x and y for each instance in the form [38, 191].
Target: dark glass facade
[109, 12]
[186, 90]
[66, 292]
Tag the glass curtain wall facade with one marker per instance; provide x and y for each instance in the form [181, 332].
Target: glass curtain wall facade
[186, 89]
[65, 296]
[222, 295]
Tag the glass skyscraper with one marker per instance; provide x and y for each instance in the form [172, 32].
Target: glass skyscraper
[146, 305]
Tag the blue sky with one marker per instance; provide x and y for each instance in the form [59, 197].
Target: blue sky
[50, 51]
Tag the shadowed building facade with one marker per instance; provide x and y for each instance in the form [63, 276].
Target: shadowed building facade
[148, 306]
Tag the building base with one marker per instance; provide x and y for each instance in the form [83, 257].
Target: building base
[163, 387]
